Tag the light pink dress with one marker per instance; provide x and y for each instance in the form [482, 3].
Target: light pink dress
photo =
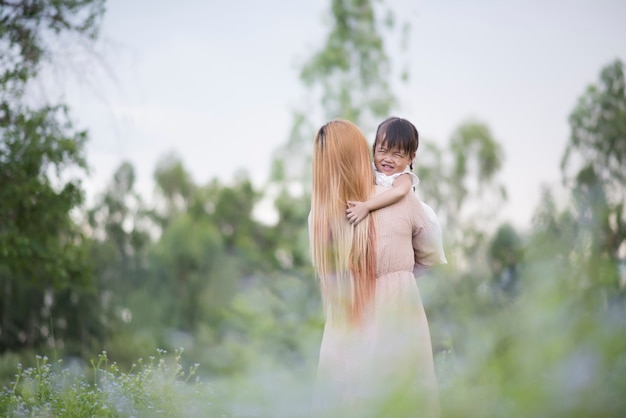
[390, 352]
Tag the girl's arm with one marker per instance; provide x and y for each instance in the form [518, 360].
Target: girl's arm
[357, 211]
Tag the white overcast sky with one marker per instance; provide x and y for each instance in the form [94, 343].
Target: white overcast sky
[214, 81]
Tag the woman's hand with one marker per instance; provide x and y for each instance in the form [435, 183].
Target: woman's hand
[356, 211]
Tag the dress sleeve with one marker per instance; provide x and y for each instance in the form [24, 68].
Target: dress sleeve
[427, 238]
[437, 232]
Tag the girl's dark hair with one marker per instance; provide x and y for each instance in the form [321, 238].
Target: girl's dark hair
[397, 132]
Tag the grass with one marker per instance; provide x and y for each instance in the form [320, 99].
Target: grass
[572, 384]
[156, 387]
[546, 354]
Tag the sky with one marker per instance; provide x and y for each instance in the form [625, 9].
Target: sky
[215, 82]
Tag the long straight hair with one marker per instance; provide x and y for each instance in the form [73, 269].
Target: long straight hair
[343, 254]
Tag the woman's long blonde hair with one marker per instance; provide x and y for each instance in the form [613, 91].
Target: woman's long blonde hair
[343, 255]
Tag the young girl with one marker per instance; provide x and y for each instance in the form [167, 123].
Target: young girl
[394, 149]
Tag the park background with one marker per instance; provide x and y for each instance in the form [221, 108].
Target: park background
[165, 207]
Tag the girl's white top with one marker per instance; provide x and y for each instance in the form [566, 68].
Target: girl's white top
[387, 181]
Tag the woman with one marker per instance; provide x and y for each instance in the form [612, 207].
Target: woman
[376, 342]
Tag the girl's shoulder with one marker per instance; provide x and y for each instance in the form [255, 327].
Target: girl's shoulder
[385, 180]
[414, 179]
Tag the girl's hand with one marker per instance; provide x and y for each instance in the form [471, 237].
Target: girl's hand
[356, 212]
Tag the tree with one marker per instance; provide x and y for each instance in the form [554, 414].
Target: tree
[352, 69]
[175, 189]
[505, 257]
[39, 243]
[593, 168]
[461, 183]
[119, 217]
[463, 187]
[118, 228]
[209, 242]
[598, 132]
[185, 259]
[45, 280]
[26, 29]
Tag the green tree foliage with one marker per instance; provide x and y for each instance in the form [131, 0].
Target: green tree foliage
[598, 131]
[118, 228]
[174, 188]
[187, 256]
[171, 270]
[593, 166]
[505, 257]
[119, 218]
[461, 183]
[40, 251]
[473, 145]
[26, 28]
[45, 282]
[229, 209]
[352, 68]
[556, 349]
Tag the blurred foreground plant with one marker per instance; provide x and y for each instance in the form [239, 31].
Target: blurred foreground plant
[158, 387]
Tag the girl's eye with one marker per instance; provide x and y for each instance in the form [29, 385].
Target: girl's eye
[398, 155]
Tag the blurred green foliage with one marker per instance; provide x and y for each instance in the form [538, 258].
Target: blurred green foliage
[158, 386]
[46, 283]
[524, 323]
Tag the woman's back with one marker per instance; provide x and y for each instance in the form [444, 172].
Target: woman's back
[406, 236]
[390, 353]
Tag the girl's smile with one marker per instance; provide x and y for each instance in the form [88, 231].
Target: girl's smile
[390, 160]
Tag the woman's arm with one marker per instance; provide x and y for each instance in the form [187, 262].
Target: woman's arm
[357, 211]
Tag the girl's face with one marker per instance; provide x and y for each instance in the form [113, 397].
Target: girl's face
[391, 160]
